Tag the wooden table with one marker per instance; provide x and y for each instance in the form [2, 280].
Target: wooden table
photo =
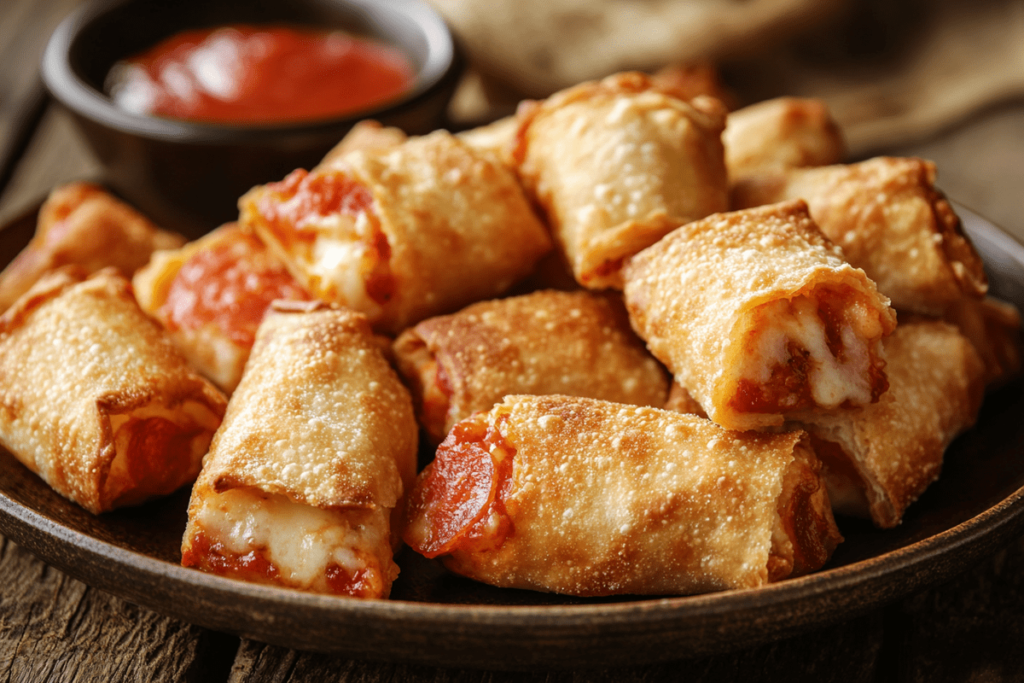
[55, 628]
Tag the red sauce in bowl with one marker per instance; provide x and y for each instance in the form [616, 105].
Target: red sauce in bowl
[259, 75]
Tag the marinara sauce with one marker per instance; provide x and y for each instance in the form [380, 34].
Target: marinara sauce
[259, 74]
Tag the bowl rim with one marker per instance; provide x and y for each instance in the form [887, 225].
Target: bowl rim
[72, 91]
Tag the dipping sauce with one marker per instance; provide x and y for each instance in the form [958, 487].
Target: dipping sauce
[259, 75]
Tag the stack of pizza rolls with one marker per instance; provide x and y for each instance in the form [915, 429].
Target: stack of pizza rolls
[649, 344]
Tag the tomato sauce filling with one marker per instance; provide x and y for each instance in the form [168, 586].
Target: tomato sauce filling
[158, 452]
[260, 74]
[806, 519]
[254, 566]
[296, 205]
[231, 285]
[458, 502]
[790, 385]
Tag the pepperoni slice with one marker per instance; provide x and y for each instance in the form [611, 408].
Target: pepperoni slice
[454, 498]
[231, 286]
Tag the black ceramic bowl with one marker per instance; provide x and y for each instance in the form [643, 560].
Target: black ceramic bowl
[188, 176]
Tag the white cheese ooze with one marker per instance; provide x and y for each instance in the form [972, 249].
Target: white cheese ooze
[832, 381]
[301, 541]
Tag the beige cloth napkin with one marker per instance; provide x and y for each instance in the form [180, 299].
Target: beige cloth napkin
[892, 71]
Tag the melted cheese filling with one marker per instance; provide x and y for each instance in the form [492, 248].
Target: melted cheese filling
[337, 261]
[833, 379]
[299, 540]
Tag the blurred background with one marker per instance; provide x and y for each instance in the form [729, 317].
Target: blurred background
[941, 79]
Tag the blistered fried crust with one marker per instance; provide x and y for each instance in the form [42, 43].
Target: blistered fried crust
[368, 136]
[319, 415]
[218, 346]
[782, 133]
[549, 342]
[890, 220]
[759, 301]
[993, 327]
[318, 447]
[617, 164]
[936, 383]
[612, 499]
[498, 138]
[95, 399]
[81, 224]
[445, 225]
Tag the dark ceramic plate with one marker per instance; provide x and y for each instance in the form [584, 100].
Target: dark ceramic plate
[976, 507]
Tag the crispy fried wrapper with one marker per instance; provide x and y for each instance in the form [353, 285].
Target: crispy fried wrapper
[83, 225]
[878, 460]
[586, 497]
[890, 220]
[210, 296]
[367, 136]
[96, 399]
[781, 133]
[993, 326]
[549, 342]
[616, 165]
[306, 477]
[758, 316]
[419, 229]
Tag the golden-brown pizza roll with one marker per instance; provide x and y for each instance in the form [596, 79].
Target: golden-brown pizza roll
[993, 326]
[616, 165]
[758, 316]
[879, 459]
[786, 132]
[83, 225]
[586, 497]
[95, 399]
[422, 229]
[890, 220]
[308, 472]
[687, 81]
[497, 137]
[211, 295]
[367, 136]
[549, 342]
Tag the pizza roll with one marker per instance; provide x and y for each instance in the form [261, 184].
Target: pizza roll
[83, 225]
[307, 474]
[497, 138]
[586, 497]
[549, 342]
[211, 295]
[424, 228]
[616, 165]
[366, 135]
[890, 220]
[96, 400]
[879, 459]
[687, 81]
[993, 327]
[758, 316]
[781, 133]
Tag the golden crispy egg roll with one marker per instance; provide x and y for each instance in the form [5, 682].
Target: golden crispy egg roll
[421, 229]
[549, 342]
[891, 221]
[616, 165]
[83, 225]
[366, 135]
[96, 400]
[879, 459]
[306, 476]
[786, 132]
[211, 295]
[586, 497]
[993, 326]
[758, 316]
